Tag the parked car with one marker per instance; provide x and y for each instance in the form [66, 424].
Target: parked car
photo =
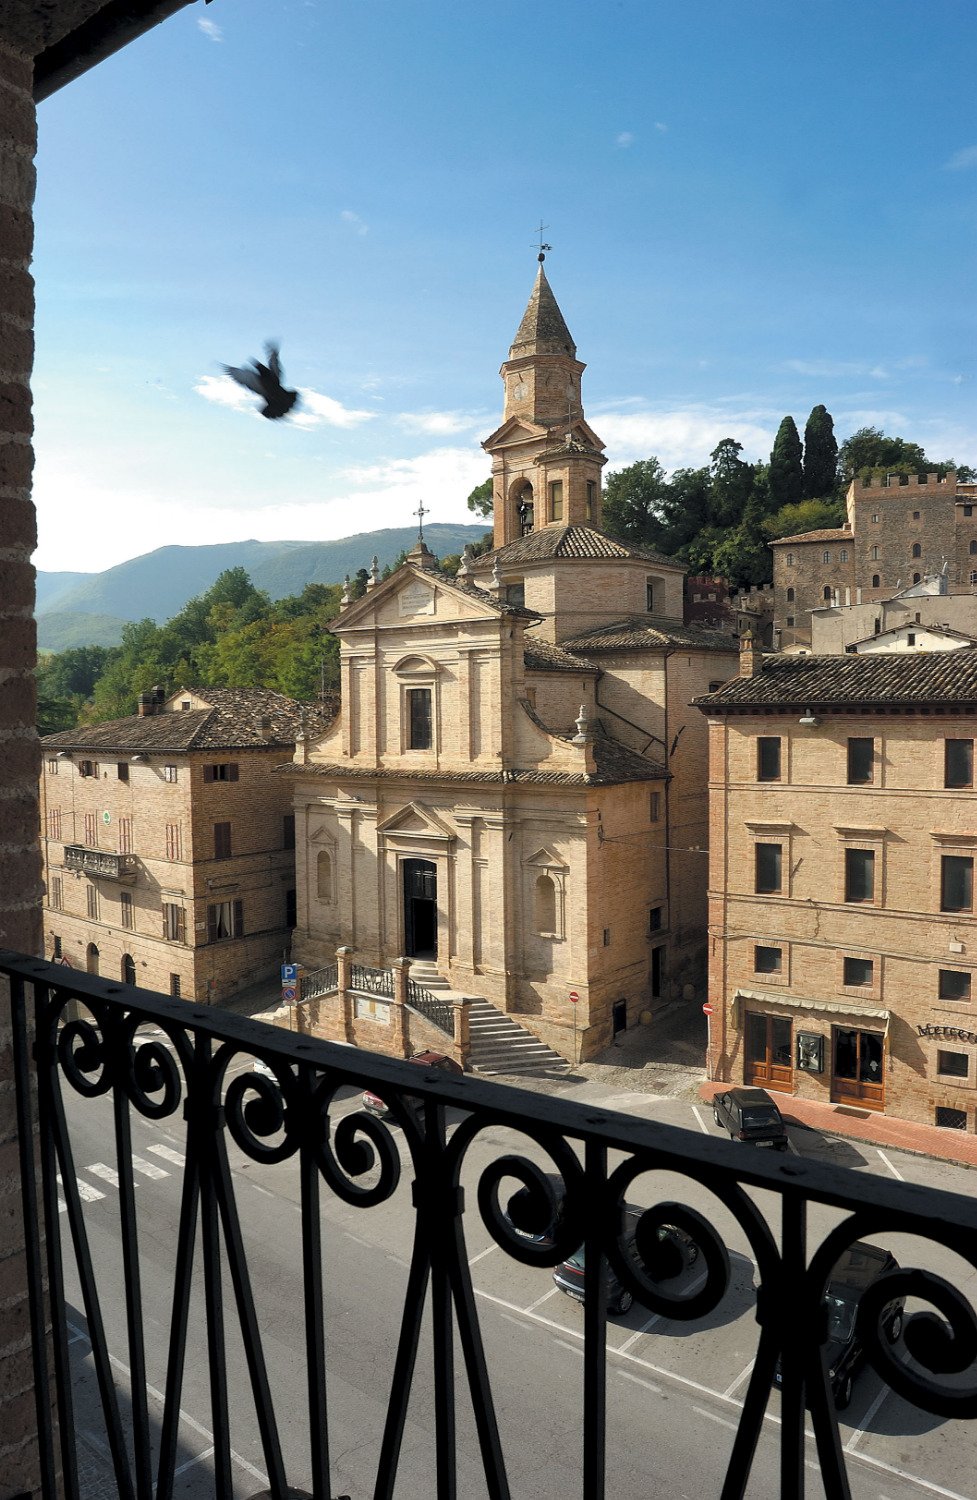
[569, 1275]
[750, 1115]
[858, 1268]
[375, 1105]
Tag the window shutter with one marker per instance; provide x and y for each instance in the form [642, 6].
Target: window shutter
[232, 771]
[238, 916]
[208, 773]
[212, 924]
[181, 925]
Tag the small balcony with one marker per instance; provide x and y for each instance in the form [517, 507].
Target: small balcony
[100, 862]
[244, 1281]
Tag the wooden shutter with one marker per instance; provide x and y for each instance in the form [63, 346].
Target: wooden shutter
[232, 771]
[212, 924]
[209, 773]
[238, 928]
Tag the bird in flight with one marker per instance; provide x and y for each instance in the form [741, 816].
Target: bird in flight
[266, 382]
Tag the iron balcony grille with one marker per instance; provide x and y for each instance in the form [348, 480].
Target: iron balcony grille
[99, 862]
[88, 1047]
[367, 981]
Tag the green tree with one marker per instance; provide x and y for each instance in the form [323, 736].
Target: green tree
[785, 476]
[732, 482]
[820, 455]
[807, 515]
[869, 449]
[632, 502]
[480, 499]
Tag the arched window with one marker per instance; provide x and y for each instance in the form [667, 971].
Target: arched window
[790, 596]
[973, 548]
[128, 969]
[826, 594]
[917, 550]
[916, 578]
[876, 581]
[323, 875]
[91, 959]
[525, 510]
[545, 904]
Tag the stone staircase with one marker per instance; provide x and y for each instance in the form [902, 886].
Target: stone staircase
[498, 1043]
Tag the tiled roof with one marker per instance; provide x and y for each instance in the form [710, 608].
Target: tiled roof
[543, 329]
[829, 534]
[650, 633]
[238, 719]
[472, 590]
[571, 542]
[543, 656]
[615, 764]
[882, 678]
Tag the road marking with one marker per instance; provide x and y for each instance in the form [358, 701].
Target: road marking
[259, 1189]
[147, 1168]
[482, 1254]
[743, 1375]
[623, 1348]
[859, 1432]
[62, 1206]
[896, 1173]
[204, 1453]
[573, 1348]
[99, 1169]
[351, 1236]
[540, 1300]
[649, 1385]
[167, 1154]
[702, 1124]
[86, 1192]
[924, 1484]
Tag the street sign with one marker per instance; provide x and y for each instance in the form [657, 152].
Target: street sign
[290, 972]
[707, 1009]
[288, 994]
[574, 997]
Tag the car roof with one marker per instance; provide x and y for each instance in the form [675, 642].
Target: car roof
[751, 1096]
[860, 1265]
[430, 1058]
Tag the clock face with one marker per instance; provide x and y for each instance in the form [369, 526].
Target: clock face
[519, 391]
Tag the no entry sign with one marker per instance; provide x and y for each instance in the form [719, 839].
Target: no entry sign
[574, 997]
[707, 1009]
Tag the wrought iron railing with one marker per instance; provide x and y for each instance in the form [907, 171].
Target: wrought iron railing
[192, 1074]
[320, 982]
[367, 981]
[99, 862]
[439, 1012]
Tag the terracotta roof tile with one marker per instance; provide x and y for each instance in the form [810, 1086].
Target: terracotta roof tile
[883, 679]
[570, 542]
[238, 719]
[650, 633]
[828, 534]
[543, 656]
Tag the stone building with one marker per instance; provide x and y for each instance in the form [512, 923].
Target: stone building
[514, 791]
[843, 940]
[922, 609]
[168, 843]
[898, 531]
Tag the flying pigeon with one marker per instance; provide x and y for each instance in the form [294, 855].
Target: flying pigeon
[266, 381]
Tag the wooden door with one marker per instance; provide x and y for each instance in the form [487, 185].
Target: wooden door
[769, 1058]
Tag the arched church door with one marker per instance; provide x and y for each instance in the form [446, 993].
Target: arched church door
[420, 908]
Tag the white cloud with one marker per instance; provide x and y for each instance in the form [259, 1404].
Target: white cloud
[442, 423]
[315, 410]
[210, 28]
[682, 439]
[661, 126]
[625, 139]
[354, 221]
[960, 161]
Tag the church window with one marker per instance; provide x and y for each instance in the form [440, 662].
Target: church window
[323, 872]
[545, 904]
[591, 498]
[556, 500]
[419, 718]
[790, 596]
[650, 595]
[525, 510]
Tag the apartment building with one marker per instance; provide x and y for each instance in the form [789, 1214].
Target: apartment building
[168, 843]
[843, 834]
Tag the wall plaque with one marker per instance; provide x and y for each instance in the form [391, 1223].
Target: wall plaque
[416, 599]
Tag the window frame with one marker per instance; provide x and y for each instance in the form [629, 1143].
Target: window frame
[853, 855]
[126, 917]
[850, 967]
[222, 839]
[951, 1072]
[174, 922]
[958, 785]
[769, 757]
[966, 863]
[966, 988]
[555, 499]
[759, 858]
[222, 770]
[414, 698]
[860, 740]
[771, 968]
[225, 920]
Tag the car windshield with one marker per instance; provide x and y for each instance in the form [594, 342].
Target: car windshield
[761, 1114]
[841, 1318]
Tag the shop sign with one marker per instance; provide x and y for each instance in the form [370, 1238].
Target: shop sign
[947, 1033]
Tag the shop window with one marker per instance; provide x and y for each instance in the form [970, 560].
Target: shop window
[951, 1119]
[768, 758]
[958, 763]
[859, 875]
[858, 971]
[954, 984]
[861, 761]
[768, 868]
[956, 882]
[768, 960]
[544, 906]
[952, 1064]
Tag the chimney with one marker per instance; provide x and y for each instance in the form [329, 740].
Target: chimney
[751, 657]
[147, 705]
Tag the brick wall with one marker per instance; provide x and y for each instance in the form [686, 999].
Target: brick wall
[19, 855]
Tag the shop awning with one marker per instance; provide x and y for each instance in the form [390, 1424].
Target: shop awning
[829, 1008]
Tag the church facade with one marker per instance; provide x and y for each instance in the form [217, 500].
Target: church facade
[514, 788]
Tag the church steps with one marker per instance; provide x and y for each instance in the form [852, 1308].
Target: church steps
[500, 1045]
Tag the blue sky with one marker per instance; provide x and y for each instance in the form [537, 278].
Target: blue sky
[754, 206]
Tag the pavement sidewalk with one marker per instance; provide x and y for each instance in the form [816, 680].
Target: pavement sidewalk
[866, 1125]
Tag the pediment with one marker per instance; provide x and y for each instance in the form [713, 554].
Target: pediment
[515, 430]
[416, 823]
[545, 859]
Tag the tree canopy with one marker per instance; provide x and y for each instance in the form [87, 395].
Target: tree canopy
[820, 455]
[480, 499]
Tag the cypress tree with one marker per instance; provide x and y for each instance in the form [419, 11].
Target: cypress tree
[820, 455]
[785, 477]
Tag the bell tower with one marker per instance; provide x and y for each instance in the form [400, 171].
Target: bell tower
[546, 460]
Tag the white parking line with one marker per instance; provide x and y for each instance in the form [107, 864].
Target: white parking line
[702, 1124]
[86, 1192]
[623, 1348]
[894, 1170]
[649, 1385]
[168, 1154]
[108, 1174]
[482, 1254]
[540, 1300]
[859, 1432]
[147, 1168]
[573, 1348]
[743, 1375]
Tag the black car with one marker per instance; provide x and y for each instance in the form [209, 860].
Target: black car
[750, 1115]
[858, 1268]
[678, 1253]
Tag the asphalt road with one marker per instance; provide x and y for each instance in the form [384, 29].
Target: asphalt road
[674, 1390]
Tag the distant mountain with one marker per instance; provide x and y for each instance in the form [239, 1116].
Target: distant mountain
[157, 585]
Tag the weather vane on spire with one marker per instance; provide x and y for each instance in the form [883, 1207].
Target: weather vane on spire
[542, 246]
[420, 513]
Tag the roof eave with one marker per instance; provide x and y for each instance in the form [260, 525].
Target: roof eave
[113, 27]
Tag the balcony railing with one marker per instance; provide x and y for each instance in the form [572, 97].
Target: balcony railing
[580, 1165]
[99, 862]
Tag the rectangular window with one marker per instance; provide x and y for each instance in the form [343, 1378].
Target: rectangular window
[174, 922]
[655, 914]
[825, 557]
[958, 763]
[556, 500]
[957, 882]
[768, 960]
[591, 498]
[790, 559]
[223, 771]
[515, 593]
[52, 767]
[790, 621]
[91, 830]
[175, 986]
[125, 835]
[125, 909]
[169, 773]
[859, 875]
[288, 831]
[954, 984]
[87, 768]
[122, 770]
[54, 823]
[768, 868]
[57, 893]
[650, 596]
[419, 718]
[861, 762]
[768, 758]
[858, 971]
[607, 937]
[968, 510]
[173, 841]
[843, 555]
[874, 554]
[91, 898]
[953, 1064]
[654, 807]
[225, 920]
[222, 840]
